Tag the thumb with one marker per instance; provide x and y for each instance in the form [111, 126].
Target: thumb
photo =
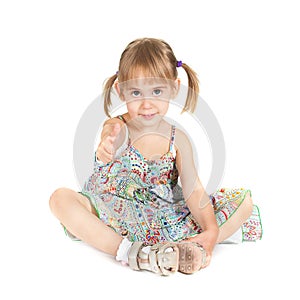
[116, 130]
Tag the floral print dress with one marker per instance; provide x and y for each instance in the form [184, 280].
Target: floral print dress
[141, 199]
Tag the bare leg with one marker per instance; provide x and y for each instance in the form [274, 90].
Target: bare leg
[77, 214]
[240, 216]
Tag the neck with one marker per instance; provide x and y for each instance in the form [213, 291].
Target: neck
[139, 127]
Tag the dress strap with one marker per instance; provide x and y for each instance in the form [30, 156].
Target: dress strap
[172, 140]
[121, 118]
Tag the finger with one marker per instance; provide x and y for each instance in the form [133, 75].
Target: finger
[105, 148]
[207, 261]
[108, 147]
[188, 239]
[109, 141]
[104, 157]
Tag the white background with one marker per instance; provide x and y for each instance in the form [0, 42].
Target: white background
[54, 58]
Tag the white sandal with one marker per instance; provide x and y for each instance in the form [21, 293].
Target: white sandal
[162, 258]
[167, 258]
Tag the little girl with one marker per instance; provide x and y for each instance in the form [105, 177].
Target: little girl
[132, 206]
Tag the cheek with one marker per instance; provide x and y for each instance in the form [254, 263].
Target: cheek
[132, 106]
[164, 108]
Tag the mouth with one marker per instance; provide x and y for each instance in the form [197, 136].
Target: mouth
[147, 116]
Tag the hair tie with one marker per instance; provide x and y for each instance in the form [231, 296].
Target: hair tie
[179, 64]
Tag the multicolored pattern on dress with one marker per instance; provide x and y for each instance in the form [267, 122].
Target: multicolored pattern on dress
[141, 199]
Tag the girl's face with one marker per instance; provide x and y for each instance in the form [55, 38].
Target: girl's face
[147, 98]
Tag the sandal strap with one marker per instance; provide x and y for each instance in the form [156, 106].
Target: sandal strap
[133, 255]
[159, 260]
[162, 260]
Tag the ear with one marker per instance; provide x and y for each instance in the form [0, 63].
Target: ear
[117, 88]
[176, 87]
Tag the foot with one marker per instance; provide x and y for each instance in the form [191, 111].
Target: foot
[160, 258]
[167, 258]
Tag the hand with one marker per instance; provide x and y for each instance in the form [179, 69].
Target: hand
[207, 239]
[106, 150]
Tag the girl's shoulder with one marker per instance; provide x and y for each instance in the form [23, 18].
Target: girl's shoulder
[182, 140]
[115, 120]
[181, 135]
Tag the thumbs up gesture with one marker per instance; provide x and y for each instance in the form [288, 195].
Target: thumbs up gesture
[107, 147]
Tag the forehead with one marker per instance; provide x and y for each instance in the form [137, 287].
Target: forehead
[146, 83]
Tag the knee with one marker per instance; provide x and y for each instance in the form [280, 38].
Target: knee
[56, 199]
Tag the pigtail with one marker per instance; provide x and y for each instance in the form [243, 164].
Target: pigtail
[107, 93]
[193, 91]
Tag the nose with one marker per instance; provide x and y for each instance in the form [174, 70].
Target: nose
[146, 103]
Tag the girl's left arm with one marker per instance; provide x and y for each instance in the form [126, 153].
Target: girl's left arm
[195, 195]
[204, 215]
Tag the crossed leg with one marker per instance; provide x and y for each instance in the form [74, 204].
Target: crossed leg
[236, 220]
[78, 215]
[80, 218]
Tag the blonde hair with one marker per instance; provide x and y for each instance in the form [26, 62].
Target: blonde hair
[156, 59]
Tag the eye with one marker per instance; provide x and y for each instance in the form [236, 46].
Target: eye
[136, 93]
[157, 92]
